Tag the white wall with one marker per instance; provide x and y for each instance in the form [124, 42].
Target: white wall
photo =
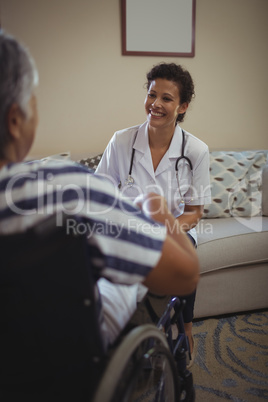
[88, 89]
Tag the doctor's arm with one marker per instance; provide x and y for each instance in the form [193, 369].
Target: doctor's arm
[201, 189]
[108, 166]
[191, 216]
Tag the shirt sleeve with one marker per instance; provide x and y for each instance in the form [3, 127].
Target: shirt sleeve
[125, 245]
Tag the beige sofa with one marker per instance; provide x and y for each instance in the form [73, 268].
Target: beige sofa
[233, 235]
[233, 252]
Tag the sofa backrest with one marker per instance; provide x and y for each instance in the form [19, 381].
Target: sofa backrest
[238, 188]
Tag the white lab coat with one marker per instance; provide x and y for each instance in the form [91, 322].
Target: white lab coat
[115, 165]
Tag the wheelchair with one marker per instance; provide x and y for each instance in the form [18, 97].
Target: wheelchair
[50, 342]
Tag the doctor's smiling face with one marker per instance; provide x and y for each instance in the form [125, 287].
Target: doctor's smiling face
[162, 104]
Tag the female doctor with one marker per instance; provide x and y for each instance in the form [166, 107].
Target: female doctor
[158, 156]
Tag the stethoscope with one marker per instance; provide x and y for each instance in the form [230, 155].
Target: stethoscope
[130, 181]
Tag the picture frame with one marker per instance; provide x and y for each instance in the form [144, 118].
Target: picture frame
[158, 28]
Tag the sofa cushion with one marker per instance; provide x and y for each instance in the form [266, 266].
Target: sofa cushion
[231, 242]
[235, 184]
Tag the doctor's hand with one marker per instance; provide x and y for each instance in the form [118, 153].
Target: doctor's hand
[155, 207]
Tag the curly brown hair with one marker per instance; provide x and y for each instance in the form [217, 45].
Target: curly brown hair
[177, 74]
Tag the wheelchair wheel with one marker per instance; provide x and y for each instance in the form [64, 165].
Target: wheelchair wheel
[141, 369]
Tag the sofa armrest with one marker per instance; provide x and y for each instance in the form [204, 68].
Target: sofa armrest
[265, 190]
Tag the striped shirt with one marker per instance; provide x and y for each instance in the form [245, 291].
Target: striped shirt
[125, 245]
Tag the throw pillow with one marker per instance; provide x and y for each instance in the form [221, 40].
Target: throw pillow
[91, 162]
[235, 184]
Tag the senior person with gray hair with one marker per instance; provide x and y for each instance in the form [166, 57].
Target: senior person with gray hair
[160, 257]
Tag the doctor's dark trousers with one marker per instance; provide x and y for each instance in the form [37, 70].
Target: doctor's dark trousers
[188, 311]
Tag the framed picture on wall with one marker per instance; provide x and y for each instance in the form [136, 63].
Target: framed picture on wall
[158, 28]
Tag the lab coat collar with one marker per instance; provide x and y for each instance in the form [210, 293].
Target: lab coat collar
[141, 144]
[176, 143]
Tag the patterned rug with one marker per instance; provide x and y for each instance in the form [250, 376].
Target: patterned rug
[231, 361]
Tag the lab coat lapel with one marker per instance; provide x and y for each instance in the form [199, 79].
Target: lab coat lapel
[142, 150]
[176, 143]
[174, 151]
[163, 165]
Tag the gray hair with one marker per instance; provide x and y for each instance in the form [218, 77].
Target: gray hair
[18, 77]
